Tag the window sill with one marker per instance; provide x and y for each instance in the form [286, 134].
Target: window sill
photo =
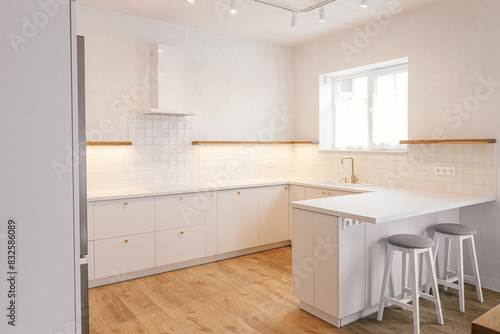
[367, 152]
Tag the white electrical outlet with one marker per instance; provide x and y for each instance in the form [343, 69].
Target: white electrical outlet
[271, 163]
[445, 171]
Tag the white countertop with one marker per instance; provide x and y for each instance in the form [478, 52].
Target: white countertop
[384, 204]
[372, 204]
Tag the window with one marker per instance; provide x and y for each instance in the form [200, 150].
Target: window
[365, 109]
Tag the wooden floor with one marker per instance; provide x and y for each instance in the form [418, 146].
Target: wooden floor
[250, 294]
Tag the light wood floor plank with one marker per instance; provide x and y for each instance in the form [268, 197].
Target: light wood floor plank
[250, 294]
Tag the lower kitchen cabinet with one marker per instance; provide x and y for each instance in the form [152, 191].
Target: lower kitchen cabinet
[90, 258]
[124, 254]
[238, 219]
[273, 214]
[181, 244]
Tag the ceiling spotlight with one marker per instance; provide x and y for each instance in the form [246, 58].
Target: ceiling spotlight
[191, 1]
[322, 15]
[233, 7]
[364, 3]
[294, 19]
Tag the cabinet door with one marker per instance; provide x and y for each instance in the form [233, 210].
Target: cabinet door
[295, 193]
[176, 211]
[180, 245]
[238, 219]
[326, 252]
[124, 254]
[273, 214]
[303, 256]
[312, 193]
[90, 258]
[123, 217]
[211, 223]
[90, 221]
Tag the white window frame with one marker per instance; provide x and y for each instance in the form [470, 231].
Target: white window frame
[328, 88]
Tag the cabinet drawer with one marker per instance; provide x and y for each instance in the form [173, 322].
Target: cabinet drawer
[179, 211]
[180, 245]
[90, 258]
[124, 254]
[123, 217]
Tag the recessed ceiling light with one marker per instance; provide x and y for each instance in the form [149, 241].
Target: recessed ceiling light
[364, 3]
[233, 7]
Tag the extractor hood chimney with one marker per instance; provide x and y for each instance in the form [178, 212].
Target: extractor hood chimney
[165, 81]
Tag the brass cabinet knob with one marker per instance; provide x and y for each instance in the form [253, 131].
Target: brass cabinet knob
[323, 192]
[239, 193]
[329, 194]
[286, 188]
[182, 232]
[125, 203]
[182, 198]
[126, 241]
[211, 195]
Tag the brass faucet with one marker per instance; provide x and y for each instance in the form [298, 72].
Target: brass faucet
[354, 179]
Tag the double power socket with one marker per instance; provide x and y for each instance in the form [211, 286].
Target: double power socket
[445, 171]
[271, 163]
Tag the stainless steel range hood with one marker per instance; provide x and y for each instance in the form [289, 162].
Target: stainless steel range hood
[165, 82]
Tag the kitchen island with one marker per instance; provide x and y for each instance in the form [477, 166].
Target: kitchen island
[339, 246]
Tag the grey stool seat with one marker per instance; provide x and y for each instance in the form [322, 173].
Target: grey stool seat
[411, 241]
[455, 229]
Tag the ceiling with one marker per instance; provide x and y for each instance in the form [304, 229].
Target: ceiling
[257, 20]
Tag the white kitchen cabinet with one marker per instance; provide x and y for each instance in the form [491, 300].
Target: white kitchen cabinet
[211, 223]
[273, 214]
[238, 219]
[124, 254]
[303, 256]
[90, 221]
[326, 258]
[295, 193]
[312, 193]
[90, 259]
[176, 211]
[181, 244]
[123, 217]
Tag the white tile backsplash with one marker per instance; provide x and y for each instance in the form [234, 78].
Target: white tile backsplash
[163, 158]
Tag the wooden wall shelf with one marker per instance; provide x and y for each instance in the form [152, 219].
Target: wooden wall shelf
[449, 141]
[109, 143]
[252, 142]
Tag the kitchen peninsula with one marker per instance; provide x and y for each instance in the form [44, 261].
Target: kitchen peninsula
[339, 245]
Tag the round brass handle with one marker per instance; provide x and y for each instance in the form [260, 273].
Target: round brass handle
[286, 188]
[212, 195]
[323, 192]
[182, 232]
[126, 241]
[125, 203]
[330, 194]
[239, 193]
[182, 198]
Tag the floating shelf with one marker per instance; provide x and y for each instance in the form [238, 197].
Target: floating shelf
[252, 142]
[449, 141]
[109, 143]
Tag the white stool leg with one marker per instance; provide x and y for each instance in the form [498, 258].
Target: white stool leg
[435, 291]
[403, 278]
[475, 269]
[460, 269]
[415, 291]
[435, 263]
[446, 260]
[388, 264]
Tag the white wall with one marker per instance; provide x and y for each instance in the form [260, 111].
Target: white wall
[452, 47]
[237, 84]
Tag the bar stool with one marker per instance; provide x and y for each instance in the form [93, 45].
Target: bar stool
[411, 245]
[457, 233]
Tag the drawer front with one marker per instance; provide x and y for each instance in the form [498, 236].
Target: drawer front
[334, 193]
[180, 245]
[90, 221]
[123, 217]
[180, 211]
[90, 258]
[124, 254]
